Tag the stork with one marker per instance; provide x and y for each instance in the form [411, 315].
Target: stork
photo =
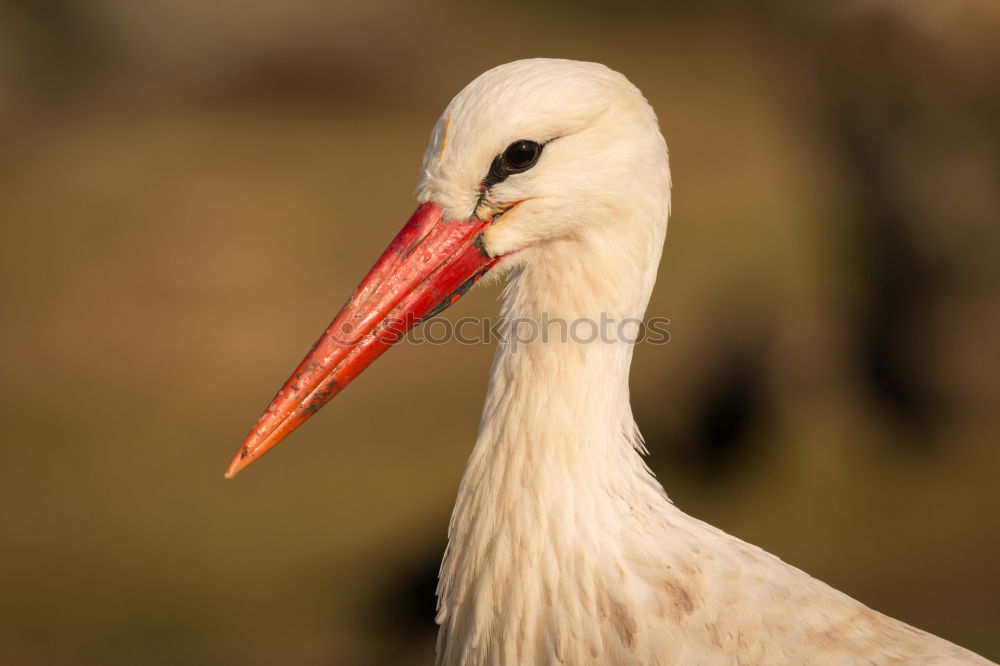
[563, 548]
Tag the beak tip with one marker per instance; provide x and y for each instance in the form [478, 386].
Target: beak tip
[237, 465]
[402, 288]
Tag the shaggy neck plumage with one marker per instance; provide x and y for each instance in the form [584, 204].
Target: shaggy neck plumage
[556, 456]
[558, 400]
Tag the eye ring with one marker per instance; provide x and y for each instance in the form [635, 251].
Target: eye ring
[516, 158]
[520, 156]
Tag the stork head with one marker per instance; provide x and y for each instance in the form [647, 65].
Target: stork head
[528, 153]
[545, 148]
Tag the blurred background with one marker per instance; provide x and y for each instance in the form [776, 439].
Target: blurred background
[189, 190]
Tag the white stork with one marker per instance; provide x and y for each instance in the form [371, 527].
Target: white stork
[563, 548]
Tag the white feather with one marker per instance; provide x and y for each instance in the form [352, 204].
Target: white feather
[563, 547]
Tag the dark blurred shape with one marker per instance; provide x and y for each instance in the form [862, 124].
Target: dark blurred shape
[63, 49]
[907, 109]
[729, 410]
[403, 607]
[716, 435]
[898, 278]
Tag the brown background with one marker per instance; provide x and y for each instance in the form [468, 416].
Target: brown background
[189, 190]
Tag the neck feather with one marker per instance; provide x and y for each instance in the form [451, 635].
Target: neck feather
[557, 453]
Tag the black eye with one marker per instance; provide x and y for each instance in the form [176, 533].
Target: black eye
[520, 156]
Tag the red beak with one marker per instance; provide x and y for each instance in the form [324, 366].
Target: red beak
[426, 268]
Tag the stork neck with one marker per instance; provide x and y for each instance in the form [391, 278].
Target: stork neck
[557, 406]
[556, 474]
[555, 466]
